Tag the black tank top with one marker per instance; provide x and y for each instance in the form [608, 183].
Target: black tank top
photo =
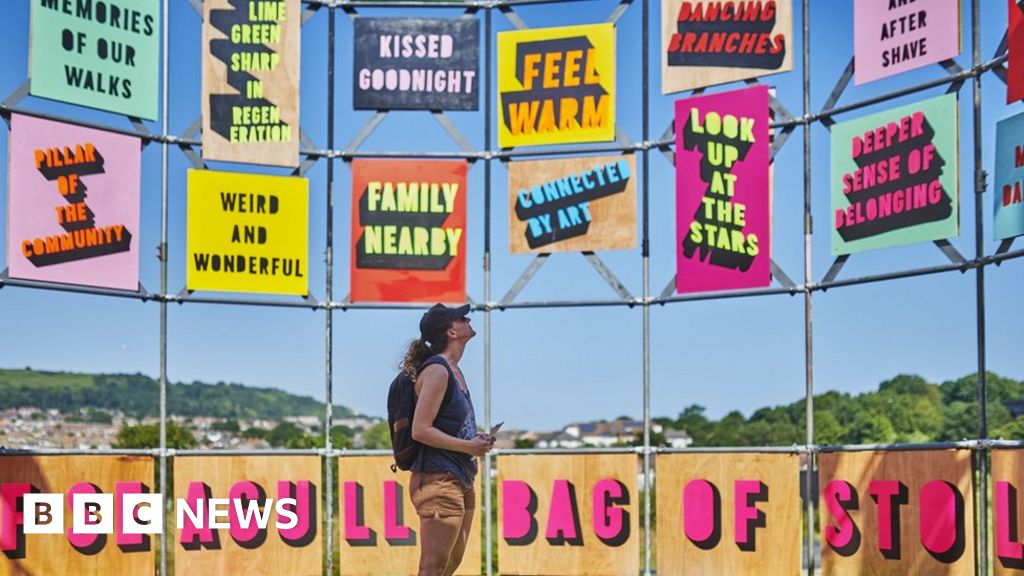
[456, 418]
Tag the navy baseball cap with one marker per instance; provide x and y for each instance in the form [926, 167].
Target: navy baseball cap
[439, 318]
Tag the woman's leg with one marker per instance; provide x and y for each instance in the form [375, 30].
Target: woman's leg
[438, 538]
[460, 543]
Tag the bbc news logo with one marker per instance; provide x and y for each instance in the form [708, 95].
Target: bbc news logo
[43, 513]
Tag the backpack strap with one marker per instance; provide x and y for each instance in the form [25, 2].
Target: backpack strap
[437, 359]
[446, 426]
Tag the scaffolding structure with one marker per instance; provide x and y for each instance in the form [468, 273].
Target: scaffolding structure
[785, 124]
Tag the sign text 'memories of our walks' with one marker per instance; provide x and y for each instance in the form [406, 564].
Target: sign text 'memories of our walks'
[100, 54]
[251, 81]
[556, 85]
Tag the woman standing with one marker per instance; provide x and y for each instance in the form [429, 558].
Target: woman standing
[441, 488]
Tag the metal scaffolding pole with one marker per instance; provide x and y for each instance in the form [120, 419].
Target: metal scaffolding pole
[808, 279]
[329, 312]
[165, 41]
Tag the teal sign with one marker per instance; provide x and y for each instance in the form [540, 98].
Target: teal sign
[1009, 211]
[894, 177]
[97, 53]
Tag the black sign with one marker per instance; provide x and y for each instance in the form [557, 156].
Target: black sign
[416, 64]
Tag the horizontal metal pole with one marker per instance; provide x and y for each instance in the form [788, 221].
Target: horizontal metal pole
[894, 275]
[795, 449]
[798, 289]
[998, 258]
[964, 445]
[242, 302]
[78, 452]
[53, 286]
[564, 451]
[253, 452]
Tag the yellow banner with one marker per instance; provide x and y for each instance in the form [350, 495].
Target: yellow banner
[556, 85]
[247, 233]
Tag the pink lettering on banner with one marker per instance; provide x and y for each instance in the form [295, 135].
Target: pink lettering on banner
[192, 537]
[12, 539]
[395, 530]
[518, 506]
[84, 543]
[1008, 549]
[942, 520]
[843, 536]
[889, 495]
[127, 542]
[747, 516]
[564, 518]
[246, 495]
[701, 510]
[357, 533]
[304, 511]
[611, 522]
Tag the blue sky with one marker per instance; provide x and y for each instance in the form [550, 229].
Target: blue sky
[550, 366]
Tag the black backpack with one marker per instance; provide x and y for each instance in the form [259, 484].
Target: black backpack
[401, 408]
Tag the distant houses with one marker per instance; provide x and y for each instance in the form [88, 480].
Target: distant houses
[604, 434]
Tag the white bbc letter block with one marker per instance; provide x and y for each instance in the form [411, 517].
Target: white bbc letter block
[44, 513]
[92, 513]
[142, 513]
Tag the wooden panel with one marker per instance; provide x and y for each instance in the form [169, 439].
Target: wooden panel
[367, 477]
[869, 484]
[713, 62]
[610, 206]
[1007, 483]
[52, 553]
[561, 491]
[250, 92]
[274, 555]
[697, 529]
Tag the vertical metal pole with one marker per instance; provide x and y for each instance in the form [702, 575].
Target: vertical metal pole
[163, 283]
[808, 342]
[488, 532]
[329, 321]
[979, 250]
[645, 255]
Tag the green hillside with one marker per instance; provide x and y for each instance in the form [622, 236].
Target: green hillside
[137, 395]
[905, 409]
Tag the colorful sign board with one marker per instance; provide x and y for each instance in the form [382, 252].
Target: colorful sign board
[232, 516]
[416, 64]
[723, 194]
[892, 37]
[728, 513]
[1007, 483]
[247, 233]
[708, 42]
[1009, 201]
[568, 514]
[378, 529]
[97, 54]
[67, 551]
[556, 85]
[896, 512]
[251, 81]
[895, 177]
[1015, 52]
[73, 204]
[571, 205]
[408, 231]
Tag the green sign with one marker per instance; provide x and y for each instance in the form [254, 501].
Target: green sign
[895, 177]
[97, 53]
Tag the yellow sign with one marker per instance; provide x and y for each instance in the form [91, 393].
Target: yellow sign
[556, 85]
[247, 233]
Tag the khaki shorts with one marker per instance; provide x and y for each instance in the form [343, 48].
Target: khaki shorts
[440, 494]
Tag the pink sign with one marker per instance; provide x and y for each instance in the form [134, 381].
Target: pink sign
[893, 36]
[73, 212]
[723, 209]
